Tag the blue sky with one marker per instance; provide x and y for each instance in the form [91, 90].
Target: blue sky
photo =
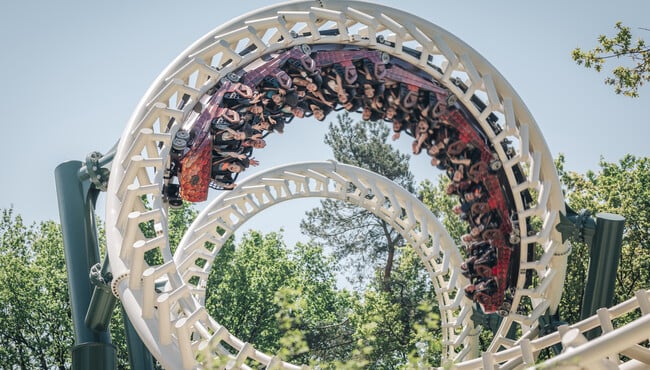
[73, 71]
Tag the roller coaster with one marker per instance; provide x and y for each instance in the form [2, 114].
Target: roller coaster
[199, 124]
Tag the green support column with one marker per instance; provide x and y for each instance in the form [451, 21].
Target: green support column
[605, 251]
[76, 199]
[139, 355]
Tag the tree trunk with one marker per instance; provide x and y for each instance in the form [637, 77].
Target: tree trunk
[389, 265]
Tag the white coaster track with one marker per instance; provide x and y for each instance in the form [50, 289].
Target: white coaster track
[174, 324]
[388, 201]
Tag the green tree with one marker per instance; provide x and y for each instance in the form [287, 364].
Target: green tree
[622, 188]
[398, 326]
[628, 77]
[242, 287]
[325, 310]
[35, 326]
[355, 235]
[284, 301]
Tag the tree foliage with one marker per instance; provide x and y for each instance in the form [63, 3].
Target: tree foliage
[398, 324]
[35, 326]
[268, 295]
[285, 301]
[627, 77]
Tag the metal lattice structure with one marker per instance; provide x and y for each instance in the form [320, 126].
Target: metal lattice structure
[605, 352]
[173, 323]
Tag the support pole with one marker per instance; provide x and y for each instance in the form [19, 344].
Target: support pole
[93, 349]
[139, 356]
[605, 251]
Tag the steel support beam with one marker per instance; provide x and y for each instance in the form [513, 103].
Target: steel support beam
[139, 355]
[604, 253]
[76, 199]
